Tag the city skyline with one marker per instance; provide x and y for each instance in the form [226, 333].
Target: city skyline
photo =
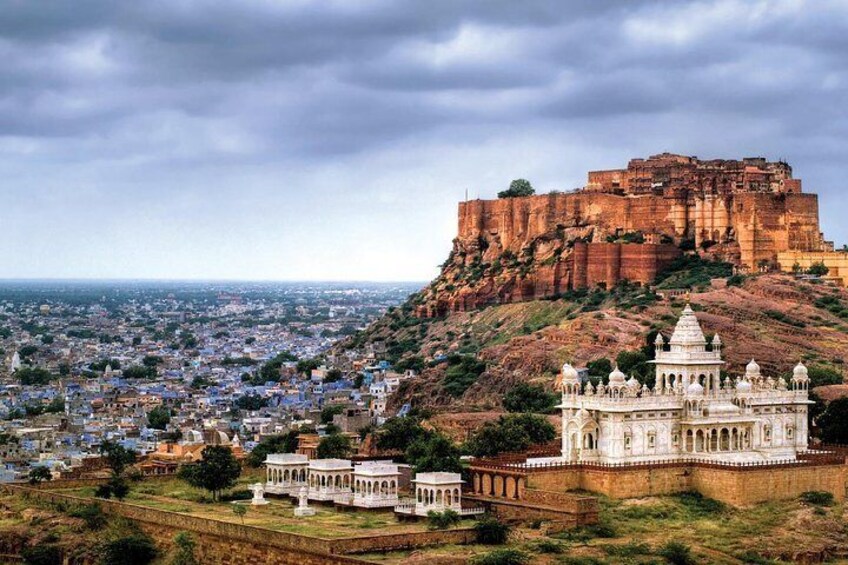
[332, 141]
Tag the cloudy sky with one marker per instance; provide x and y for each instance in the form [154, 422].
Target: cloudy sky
[299, 139]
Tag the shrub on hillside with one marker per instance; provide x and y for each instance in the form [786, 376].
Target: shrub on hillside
[817, 498]
[502, 557]
[677, 553]
[442, 520]
[491, 531]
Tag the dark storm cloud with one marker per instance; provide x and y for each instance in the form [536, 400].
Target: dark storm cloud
[154, 99]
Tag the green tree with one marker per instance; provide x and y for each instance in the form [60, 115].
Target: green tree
[517, 188]
[42, 554]
[140, 372]
[56, 406]
[396, 434]
[150, 361]
[328, 412]
[511, 433]
[306, 366]
[184, 547]
[462, 372]
[285, 443]
[251, 402]
[833, 423]
[117, 457]
[240, 510]
[133, 549]
[34, 376]
[217, 470]
[434, 453]
[39, 474]
[822, 376]
[159, 417]
[599, 368]
[818, 269]
[334, 446]
[525, 397]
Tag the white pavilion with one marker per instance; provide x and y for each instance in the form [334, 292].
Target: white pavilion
[330, 479]
[286, 473]
[375, 485]
[691, 412]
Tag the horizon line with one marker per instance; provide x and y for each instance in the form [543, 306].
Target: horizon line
[201, 280]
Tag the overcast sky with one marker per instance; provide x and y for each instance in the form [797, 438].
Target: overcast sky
[332, 139]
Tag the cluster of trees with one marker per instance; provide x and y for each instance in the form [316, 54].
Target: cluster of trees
[462, 372]
[510, 433]
[424, 449]
[270, 370]
[285, 443]
[251, 402]
[34, 376]
[140, 372]
[525, 397]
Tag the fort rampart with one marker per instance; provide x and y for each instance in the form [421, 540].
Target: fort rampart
[225, 542]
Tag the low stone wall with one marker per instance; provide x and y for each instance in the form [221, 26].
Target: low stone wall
[284, 545]
[558, 510]
[738, 486]
[746, 487]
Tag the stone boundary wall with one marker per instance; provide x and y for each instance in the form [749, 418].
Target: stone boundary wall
[742, 486]
[254, 536]
[561, 510]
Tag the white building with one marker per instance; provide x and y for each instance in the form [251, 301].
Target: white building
[375, 485]
[286, 473]
[329, 479]
[437, 492]
[690, 413]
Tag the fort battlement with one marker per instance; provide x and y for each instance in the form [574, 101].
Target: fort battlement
[633, 222]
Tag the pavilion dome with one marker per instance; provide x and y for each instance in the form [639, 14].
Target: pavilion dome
[569, 374]
[633, 383]
[617, 377]
[688, 330]
[752, 368]
[743, 386]
[695, 389]
[799, 373]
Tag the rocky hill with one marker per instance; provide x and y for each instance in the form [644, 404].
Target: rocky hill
[624, 225]
[773, 318]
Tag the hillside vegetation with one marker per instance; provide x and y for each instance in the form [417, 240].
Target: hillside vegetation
[469, 360]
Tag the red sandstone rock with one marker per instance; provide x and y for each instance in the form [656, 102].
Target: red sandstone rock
[518, 249]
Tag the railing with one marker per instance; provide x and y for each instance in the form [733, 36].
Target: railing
[472, 511]
[405, 505]
[805, 459]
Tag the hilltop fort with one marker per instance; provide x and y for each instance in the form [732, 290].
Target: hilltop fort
[625, 224]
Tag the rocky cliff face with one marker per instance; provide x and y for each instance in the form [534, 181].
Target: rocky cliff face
[773, 318]
[624, 225]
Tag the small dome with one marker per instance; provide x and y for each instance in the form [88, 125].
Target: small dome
[695, 388]
[617, 377]
[799, 373]
[584, 414]
[716, 340]
[743, 386]
[659, 340]
[569, 374]
[633, 383]
[752, 367]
